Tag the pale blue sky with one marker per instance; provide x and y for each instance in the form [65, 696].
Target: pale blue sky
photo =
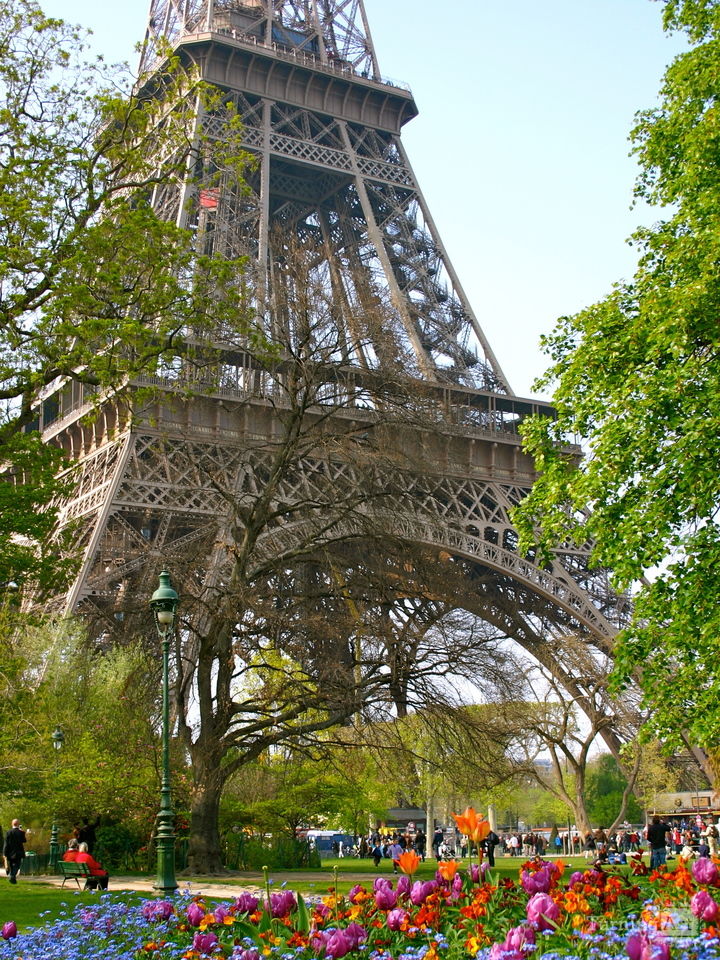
[520, 147]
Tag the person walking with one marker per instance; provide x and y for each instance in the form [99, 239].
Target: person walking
[14, 849]
[657, 833]
[489, 844]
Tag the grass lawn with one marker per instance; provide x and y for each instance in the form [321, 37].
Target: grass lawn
[32, 903]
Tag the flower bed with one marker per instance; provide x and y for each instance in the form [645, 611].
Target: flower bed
[588, 914]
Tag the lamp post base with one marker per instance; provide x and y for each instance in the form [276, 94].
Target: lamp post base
[54, 848]
[165, 881]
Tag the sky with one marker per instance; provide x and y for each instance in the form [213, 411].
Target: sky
[521, 145]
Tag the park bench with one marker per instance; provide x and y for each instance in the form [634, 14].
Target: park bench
[73, 871]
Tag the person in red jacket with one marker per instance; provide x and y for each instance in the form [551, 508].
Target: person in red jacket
[71, 853]
[98, 877]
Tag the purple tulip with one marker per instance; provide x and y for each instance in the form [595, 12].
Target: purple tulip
[514, 945]
[421, 890]
[381, 882]
[323, 909]
[474, 873]
[355, 935]
[318, 940]
[9, 930]
[282, 904]
[577, 877]
[204, 942]
[195, 914]
[250, 954]
[456, 886]
[542, 912]
[639, 946]
[403, 885]
[704, 870]
[246, 903]
[337, 945]
[157, 909]
[385, 898]
[704, 907]
[354, 891]
[220, 912]
[395, 919]
[538, 882]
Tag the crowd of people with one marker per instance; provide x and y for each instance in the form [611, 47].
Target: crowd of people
[391, 845]
[687, 838]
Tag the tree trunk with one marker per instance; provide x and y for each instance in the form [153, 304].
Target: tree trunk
[204, 853]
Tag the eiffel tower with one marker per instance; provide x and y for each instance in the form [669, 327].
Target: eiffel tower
[332, 177]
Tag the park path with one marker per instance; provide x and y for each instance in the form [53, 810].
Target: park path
[214, 886]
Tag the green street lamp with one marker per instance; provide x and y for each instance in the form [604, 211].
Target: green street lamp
[58, 739]
[163, 604]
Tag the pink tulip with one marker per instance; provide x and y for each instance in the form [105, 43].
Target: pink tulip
[246, 903]
[704, 907]
[538, 882]
[220, 912]
[337, 945]
[639, 946]
[420, 891]
[354, 891]
[355, 934]
[9, 930]
[385, 898]
[705, 871]
[204, 942]
[514, 945]
[282, 904]
[195, 914]
[395, 919]
[542, 912]
[403, 885]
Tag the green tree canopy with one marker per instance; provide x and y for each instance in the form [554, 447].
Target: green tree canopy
[637, 376]
[604, 792]
[110, 762]
[94, 285]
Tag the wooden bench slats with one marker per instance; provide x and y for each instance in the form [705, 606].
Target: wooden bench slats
[71, 870]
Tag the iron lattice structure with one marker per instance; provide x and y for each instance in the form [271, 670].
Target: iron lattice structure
[332, 179]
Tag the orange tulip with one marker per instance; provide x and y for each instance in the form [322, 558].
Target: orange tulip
[408, 862]
[447, 869]
[472, 825]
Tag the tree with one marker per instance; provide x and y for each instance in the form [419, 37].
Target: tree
[551, 723]
[94, 284]
[605, 786]
[637, 375]
[110, 763]
[298, 791]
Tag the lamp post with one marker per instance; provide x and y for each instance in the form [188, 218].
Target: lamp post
[58, 739]
[163, 604]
